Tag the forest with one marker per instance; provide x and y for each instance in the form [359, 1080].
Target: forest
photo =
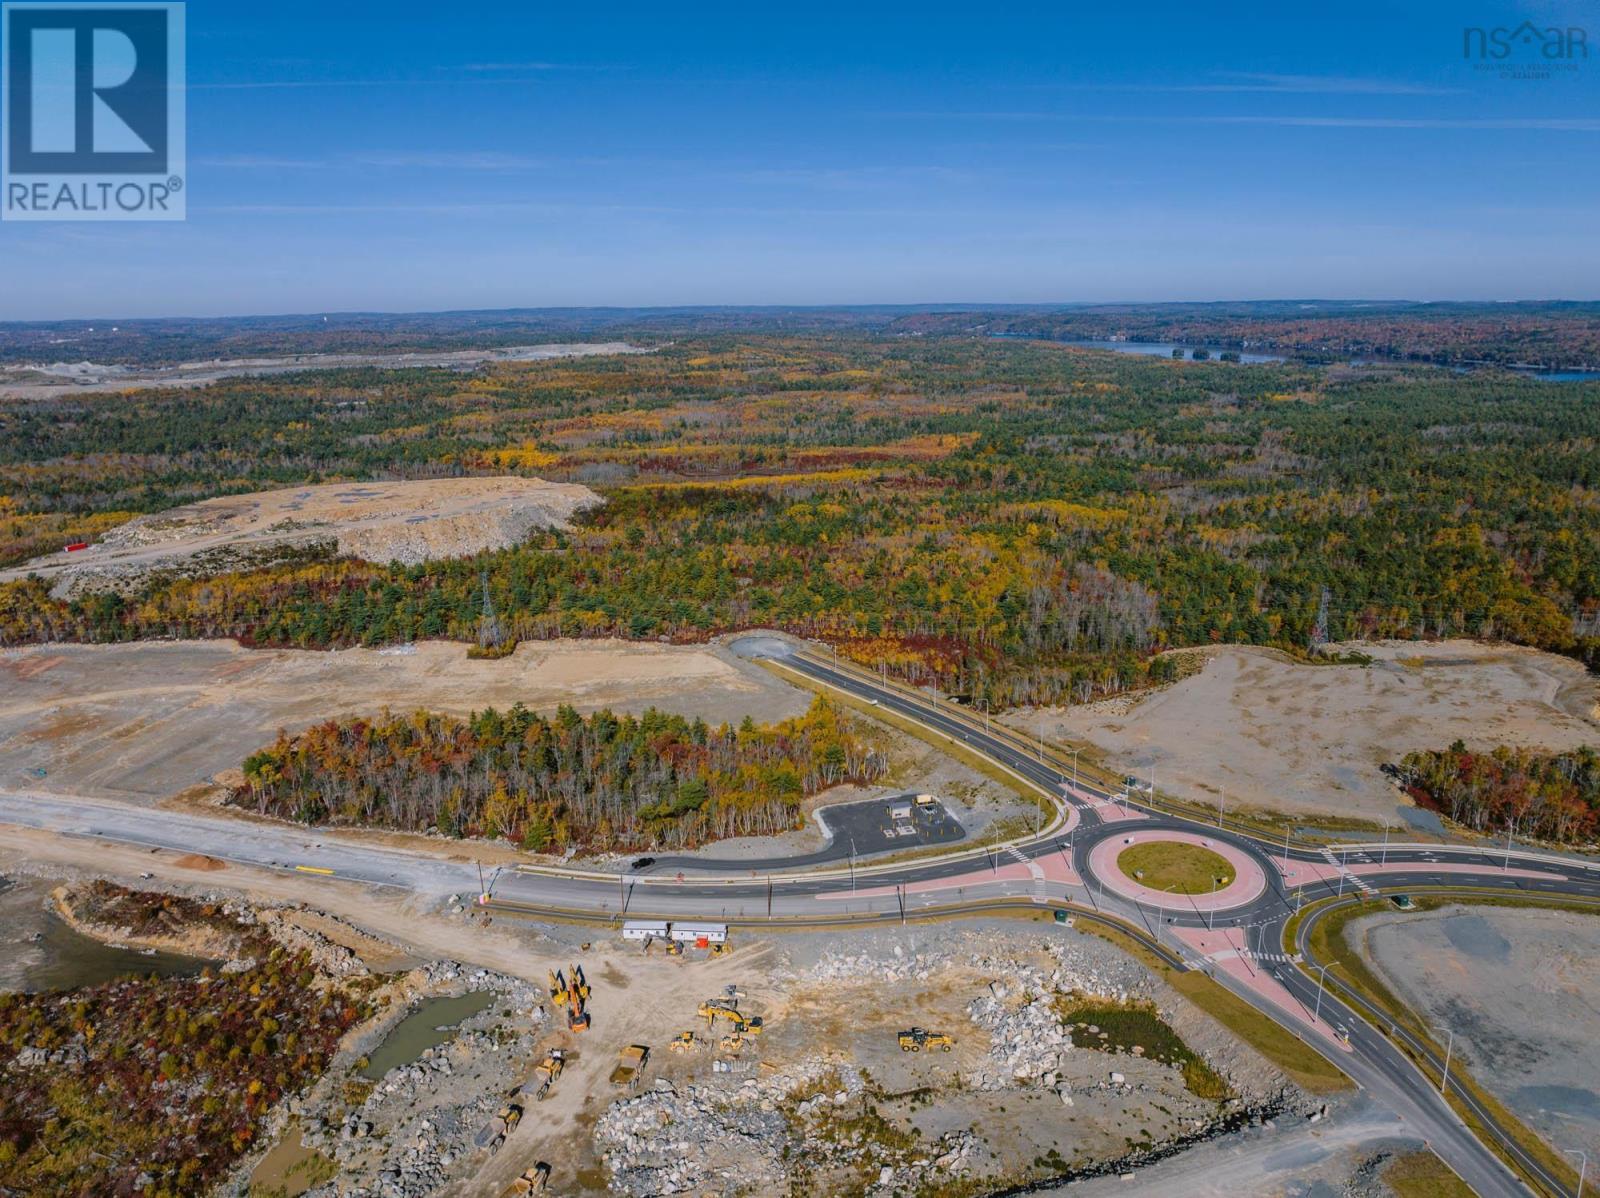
[1017, 521]
[156, 1086]
[613, 783]
[1527, 794]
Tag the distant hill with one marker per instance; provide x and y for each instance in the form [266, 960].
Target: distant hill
[1542, 333]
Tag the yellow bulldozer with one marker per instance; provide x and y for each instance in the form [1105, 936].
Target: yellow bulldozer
[684, 1042]
[918, 1038]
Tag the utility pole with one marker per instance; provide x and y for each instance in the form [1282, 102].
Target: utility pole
[769, 896]
[852, 865]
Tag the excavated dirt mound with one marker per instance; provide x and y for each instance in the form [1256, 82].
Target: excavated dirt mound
[404, 522]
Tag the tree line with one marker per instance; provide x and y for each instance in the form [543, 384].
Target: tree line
[602, 782]
[1523, 792]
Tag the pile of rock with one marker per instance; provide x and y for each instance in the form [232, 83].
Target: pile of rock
[420, 1119]
[1026, 1038]
[721, 1137]
[330, 959]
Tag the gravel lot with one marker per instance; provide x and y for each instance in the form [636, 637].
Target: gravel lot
[1309, 739]
[1521, 989]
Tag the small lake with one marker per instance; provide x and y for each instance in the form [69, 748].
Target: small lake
[73, 960]
[1568, 376]
[1166, 349]
[433, 1022]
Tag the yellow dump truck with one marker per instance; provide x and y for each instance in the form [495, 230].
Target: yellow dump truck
[630, 1066]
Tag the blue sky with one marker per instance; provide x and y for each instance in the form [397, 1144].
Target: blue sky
[406, 156]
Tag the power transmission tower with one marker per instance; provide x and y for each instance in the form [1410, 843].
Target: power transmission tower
[1319, 631]
[491, 634]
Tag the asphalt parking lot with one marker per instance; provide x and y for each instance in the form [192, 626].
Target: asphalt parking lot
[864, 829]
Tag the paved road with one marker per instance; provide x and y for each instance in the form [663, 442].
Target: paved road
[1052, 868]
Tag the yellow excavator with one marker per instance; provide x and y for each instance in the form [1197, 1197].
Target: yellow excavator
[918, 1038]
[721, 1008]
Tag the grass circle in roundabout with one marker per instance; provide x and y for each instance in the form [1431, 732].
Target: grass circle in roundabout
[1175, 867]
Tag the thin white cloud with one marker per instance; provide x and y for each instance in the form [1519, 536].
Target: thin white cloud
[541, 66]
[308, 84]
[260, 162]
[1261, 82]
[452, 160]
[1546, 124]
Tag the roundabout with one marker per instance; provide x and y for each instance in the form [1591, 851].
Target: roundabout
[1180, 870]
[1176, 868]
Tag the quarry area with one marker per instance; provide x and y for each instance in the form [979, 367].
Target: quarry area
[468, 1075]
[41, 380]
[1310, 740]
[1521, 990]
[385, 522]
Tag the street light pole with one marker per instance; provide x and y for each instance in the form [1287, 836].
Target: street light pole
[1384, 860]
[1222, 806]
[1449, 1048]
[1322, 976]
[1507, 865]
[1583, 1167]
[1075, 769]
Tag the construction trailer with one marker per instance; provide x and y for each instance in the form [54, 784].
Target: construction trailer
[645, 929]
[701, 935]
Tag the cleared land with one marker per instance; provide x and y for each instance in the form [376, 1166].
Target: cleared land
[1521, 990]
[145, 721]
[1309, 739]
[44, 381]
[404, 522]
[1176, 868]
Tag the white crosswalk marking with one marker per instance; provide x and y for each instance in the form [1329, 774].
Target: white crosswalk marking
[1360, 884]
